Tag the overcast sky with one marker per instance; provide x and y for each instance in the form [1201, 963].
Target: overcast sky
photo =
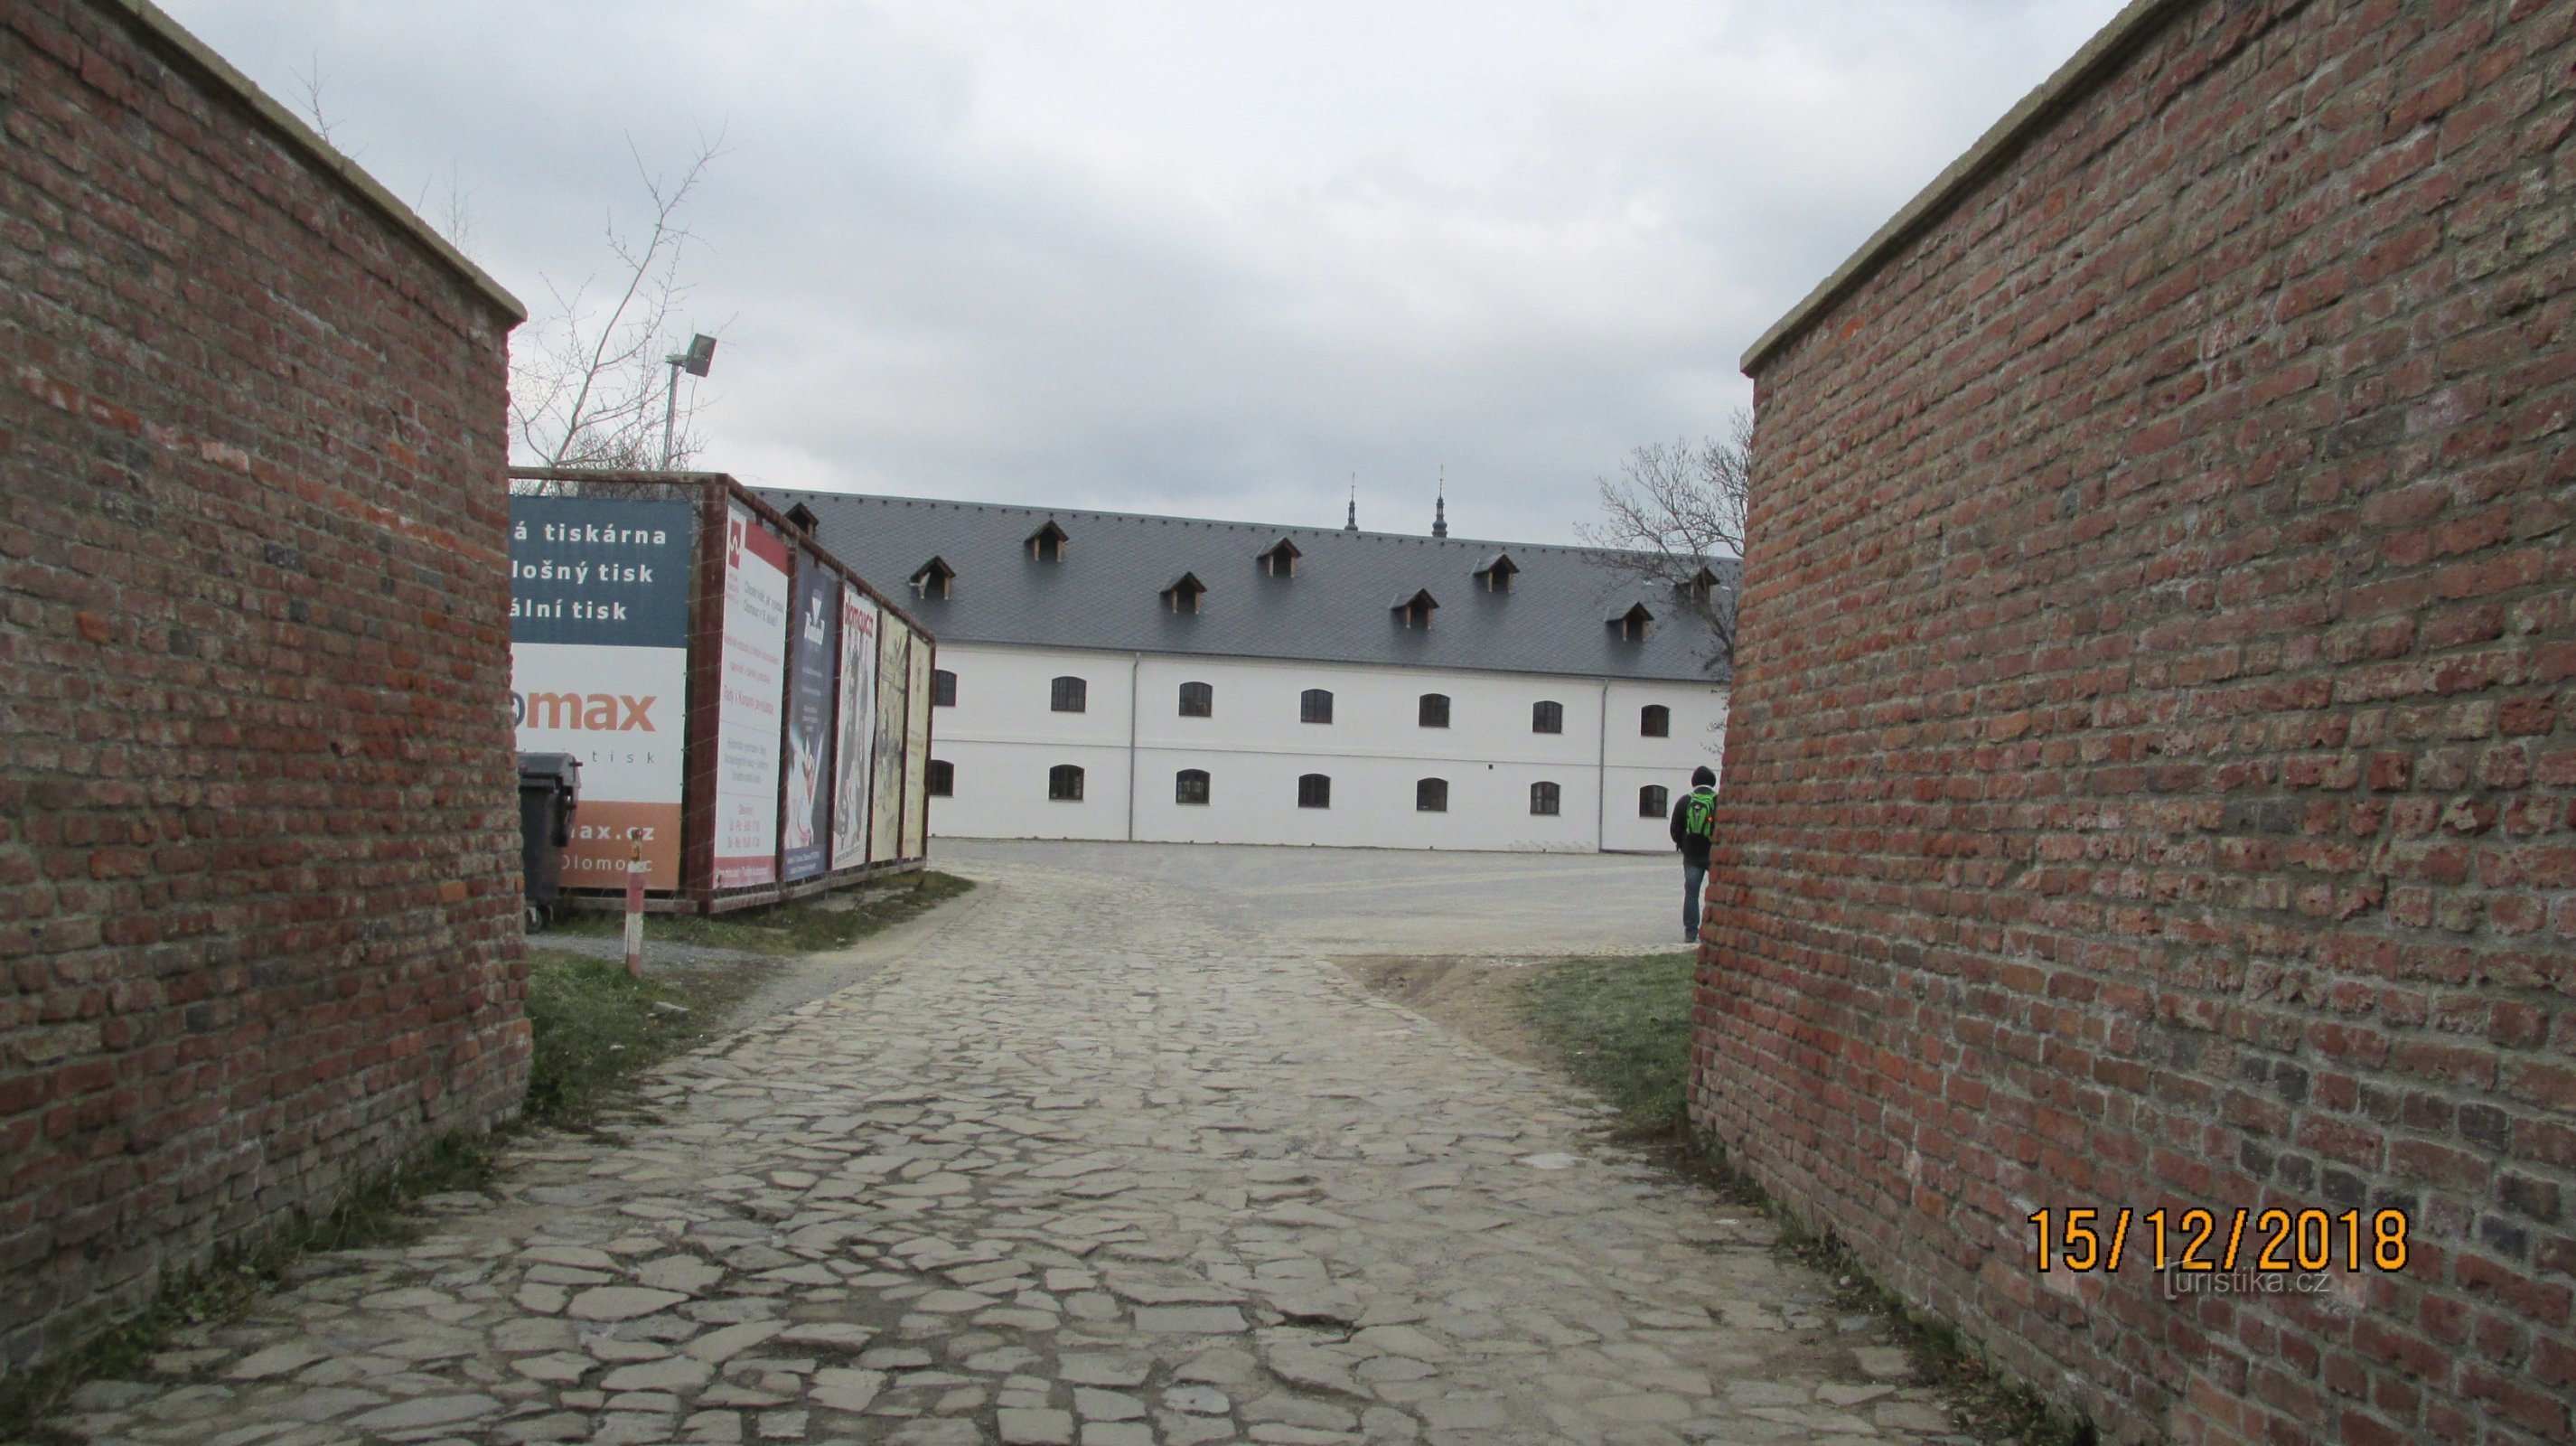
[1172, 255]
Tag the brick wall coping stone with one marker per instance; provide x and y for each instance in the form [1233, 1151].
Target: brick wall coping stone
[172, 40]
[2088, 67]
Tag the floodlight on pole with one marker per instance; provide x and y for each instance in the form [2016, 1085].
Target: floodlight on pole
[695, 361]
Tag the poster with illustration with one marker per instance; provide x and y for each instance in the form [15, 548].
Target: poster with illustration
[916, 754]
[854, 754]
[599, 664]
[813, 652]
[885, 830]
[754, 669]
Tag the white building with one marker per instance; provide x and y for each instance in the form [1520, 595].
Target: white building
[1112, 676]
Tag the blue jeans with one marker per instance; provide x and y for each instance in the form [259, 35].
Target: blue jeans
[1693, 875]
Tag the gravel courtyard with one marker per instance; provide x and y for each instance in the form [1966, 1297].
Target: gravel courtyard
[1106, 1153]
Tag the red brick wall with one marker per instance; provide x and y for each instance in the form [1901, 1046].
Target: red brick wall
[2153, 770]
[258, 831]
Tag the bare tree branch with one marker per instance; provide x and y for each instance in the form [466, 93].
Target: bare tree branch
[1674, 517]
[453, 217]
[585, 388]
[310, 83]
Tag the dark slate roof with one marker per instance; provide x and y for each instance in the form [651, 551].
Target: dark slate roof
[1106, 592]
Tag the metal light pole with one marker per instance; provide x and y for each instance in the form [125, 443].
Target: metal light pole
[695, 361]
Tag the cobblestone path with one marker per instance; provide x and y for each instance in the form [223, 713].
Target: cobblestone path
[1081, 1168]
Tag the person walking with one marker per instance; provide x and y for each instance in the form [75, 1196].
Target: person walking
[1694, 822]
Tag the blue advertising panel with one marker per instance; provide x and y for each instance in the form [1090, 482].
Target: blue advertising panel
[599, 654]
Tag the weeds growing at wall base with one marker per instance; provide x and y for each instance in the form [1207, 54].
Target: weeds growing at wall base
[1997, 1406]
[1622, 1027]
[373, 1213]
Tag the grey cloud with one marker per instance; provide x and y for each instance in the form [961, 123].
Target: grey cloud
[1157, 256]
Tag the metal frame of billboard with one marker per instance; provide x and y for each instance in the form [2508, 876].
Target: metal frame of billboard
[713, 494]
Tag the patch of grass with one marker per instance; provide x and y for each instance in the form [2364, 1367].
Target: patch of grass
[595, 1027]
[1621, 1026]
[801, 926]
[371, 1214]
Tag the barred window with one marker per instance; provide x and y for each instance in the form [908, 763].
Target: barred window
[1064, 783]
[943, 778]
[1190, 785]
[1547, 716]
[1543, 798]
[1069, 695]
[1434, 712]
[1198, 700]
[1431, 795]
[943, 688]
[1315, 705]
[1314, 790]
[1654, 802]
[1654, 721]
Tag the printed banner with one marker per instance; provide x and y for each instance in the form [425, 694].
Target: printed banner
[885, 829]
[599, 666]
[747, 714]
[812, 653]
[916, 755]
[854, 756]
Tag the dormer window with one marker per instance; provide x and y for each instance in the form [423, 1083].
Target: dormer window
[1047, 543]
[1700, 587]
[802, 518]
[933, 579]
[1182, 594]
[1414, 611]
[1494, 574]
[1631, 625]
[1281, 559]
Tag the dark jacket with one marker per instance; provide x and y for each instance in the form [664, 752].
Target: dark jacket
[1694, 850]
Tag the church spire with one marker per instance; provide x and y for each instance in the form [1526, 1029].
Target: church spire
[1440, 505]
[1351, 520]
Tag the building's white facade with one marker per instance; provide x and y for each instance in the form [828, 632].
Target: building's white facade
[1002, 738]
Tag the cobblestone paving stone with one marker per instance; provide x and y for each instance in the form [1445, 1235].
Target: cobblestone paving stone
[1082, 1169]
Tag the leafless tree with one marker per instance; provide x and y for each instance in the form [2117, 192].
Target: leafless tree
[1675, 515]
[587, 379]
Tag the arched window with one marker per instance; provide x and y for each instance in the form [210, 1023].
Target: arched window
[1064, 783]
[943, 688]
[1434, 712]
[943, 778]
[1315, 705]
[1547, 716]
[1314, 790]
[1198, 700]
[1543, 798]
[1069, 695]
[1654, 721]
[1431, 795]
[1654, 802]
[1190, 785]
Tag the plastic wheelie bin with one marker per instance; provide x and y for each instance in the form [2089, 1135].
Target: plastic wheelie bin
[549, 790]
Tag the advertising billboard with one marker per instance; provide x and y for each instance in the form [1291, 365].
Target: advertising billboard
[813, 655]
[599, 665]
[854, 753]
[916, 754]
[885, 828]
[754, 670]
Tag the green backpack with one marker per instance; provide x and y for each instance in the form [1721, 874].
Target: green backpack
[1699, 813]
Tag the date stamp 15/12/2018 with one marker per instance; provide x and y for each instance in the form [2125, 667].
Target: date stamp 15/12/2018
[2197, 1241]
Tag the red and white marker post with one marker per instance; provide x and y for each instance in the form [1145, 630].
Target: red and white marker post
[635, 910]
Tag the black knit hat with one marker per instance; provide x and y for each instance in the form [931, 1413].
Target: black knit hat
[1703, 775]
